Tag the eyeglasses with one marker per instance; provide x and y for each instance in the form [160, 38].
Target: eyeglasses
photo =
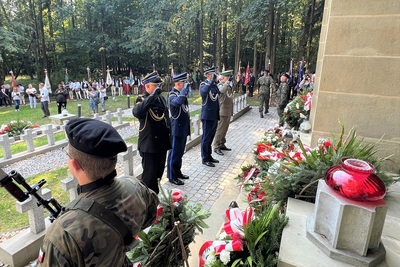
[65, 150]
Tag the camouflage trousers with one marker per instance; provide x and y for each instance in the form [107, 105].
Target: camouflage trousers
[263, 100]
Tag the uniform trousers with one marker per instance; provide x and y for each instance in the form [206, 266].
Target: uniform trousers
[175, 157]
[153, 165]
[222, 129]
[263, 100]
[209, 129]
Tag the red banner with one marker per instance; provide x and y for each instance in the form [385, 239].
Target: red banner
[247, 78]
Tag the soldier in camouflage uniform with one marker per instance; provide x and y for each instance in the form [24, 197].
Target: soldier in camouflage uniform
[97, 234]
[281, 97]
[264, 84]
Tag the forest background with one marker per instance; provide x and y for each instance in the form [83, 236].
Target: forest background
[144, 34]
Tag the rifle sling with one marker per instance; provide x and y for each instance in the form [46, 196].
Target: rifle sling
[110, 218]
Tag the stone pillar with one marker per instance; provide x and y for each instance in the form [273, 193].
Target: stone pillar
[357, 74]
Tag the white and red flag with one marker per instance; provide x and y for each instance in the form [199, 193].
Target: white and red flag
[247, 78]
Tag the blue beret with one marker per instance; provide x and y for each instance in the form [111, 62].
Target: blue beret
[210, 70]
[180, 77]
[94, 137]
[152, 78]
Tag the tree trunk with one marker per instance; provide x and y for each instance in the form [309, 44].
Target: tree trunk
[255, 58]
[225, 41]
[270, 36]
[201, 55]
[274, 43]
[218, 45]
[237, 48]
[311, 19]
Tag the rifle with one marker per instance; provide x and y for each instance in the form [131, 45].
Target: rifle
[7, 181]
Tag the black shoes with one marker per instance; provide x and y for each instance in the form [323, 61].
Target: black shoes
[214, 160]
[184, 176]
[176, 181]
[261, 115]
[266, 112]
[208, 164]
[218, 151]
[225, 148]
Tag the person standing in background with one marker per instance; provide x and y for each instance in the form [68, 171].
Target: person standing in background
[31, 95]
[61, 98]
[264, 84]
[44, 100]
[16, 96]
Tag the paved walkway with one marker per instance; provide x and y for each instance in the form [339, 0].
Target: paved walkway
[206, 184]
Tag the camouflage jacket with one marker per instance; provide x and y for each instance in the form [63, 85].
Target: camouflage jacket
[264, 83]
[281, 95]
[77, 238]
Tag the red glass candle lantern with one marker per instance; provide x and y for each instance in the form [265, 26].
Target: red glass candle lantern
[355, 179]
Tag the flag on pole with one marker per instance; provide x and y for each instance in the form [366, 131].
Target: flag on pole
[291, 70]
[109, 81]
[301, 70]
[47, 81]
[172, 70]
[247, 77]
[66, 77]
[239, 73]
[269, 66]
[223, 67]
[13, 80]
[130, 76]
[88, 74]
[154, 67]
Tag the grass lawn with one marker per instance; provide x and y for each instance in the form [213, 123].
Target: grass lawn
[10, 219]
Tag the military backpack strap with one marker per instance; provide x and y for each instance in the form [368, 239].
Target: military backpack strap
[95, 209]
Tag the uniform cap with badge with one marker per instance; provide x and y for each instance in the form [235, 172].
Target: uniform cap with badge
[210, 70]
[95, 138]
[152, 78]
[180, 77]
[226, 73]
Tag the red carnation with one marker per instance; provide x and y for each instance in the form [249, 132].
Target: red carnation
[327, 143]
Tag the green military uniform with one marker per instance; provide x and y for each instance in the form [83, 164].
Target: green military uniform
[264, 84]
[225, 114]
[281, 99]
[78, 238]
[97, 227]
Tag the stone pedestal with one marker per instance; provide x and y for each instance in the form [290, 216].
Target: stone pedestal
[347, 230]
[60, 118]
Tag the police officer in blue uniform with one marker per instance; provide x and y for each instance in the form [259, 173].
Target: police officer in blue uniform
[154, 132]
[180, 128]
[209, 115]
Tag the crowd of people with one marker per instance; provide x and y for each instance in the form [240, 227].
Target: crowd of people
[117, 209]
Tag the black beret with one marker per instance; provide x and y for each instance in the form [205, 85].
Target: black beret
[152, 78]
[180, 77]
[94, 137]
[210, 70]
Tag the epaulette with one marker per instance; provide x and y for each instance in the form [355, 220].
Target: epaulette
[203, 83]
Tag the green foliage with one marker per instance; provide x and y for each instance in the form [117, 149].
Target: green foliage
[263, 236]
[160, 246]
[292, 178]
[15, 128]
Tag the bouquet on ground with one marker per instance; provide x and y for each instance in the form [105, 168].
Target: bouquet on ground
[298, 110]
[247, 239]
[16, 128]
[167, 241]
[295, 172]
